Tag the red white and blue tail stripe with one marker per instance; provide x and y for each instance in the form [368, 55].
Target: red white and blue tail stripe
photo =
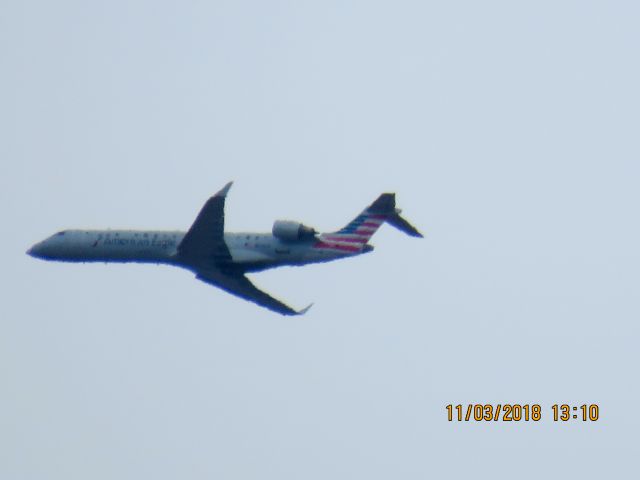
[354, 237]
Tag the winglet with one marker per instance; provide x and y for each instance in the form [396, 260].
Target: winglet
[304, 310]
[225, 190]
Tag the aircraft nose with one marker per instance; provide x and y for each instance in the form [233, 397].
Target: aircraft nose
[35, 251]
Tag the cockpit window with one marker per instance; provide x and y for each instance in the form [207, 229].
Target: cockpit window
[61, 233]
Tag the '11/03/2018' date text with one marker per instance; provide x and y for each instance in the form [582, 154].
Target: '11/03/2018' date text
[515, 412]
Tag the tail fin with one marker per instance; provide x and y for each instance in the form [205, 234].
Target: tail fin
[367, 223]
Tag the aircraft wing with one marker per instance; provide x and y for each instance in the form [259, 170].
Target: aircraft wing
[205, 239]
[241, 286]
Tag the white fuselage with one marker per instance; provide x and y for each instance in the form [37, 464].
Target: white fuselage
[249, 251]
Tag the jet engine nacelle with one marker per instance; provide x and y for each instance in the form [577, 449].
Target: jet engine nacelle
[290, 231]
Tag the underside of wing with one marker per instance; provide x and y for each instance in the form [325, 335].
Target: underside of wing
[204, 242]
[241, 286]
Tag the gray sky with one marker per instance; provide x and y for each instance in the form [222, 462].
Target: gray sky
[509, 131]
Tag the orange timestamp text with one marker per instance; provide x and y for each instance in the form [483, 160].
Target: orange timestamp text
[516, 412]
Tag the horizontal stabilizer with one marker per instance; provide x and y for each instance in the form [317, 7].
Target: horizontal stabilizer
[401, 224]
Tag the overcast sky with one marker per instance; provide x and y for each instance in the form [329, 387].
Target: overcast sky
[509, 131]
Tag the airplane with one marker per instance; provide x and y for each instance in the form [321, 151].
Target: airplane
[221, 258]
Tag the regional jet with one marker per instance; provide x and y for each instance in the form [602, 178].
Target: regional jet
[221, 258]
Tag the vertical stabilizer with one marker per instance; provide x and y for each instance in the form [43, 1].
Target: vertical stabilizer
[361, 229]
